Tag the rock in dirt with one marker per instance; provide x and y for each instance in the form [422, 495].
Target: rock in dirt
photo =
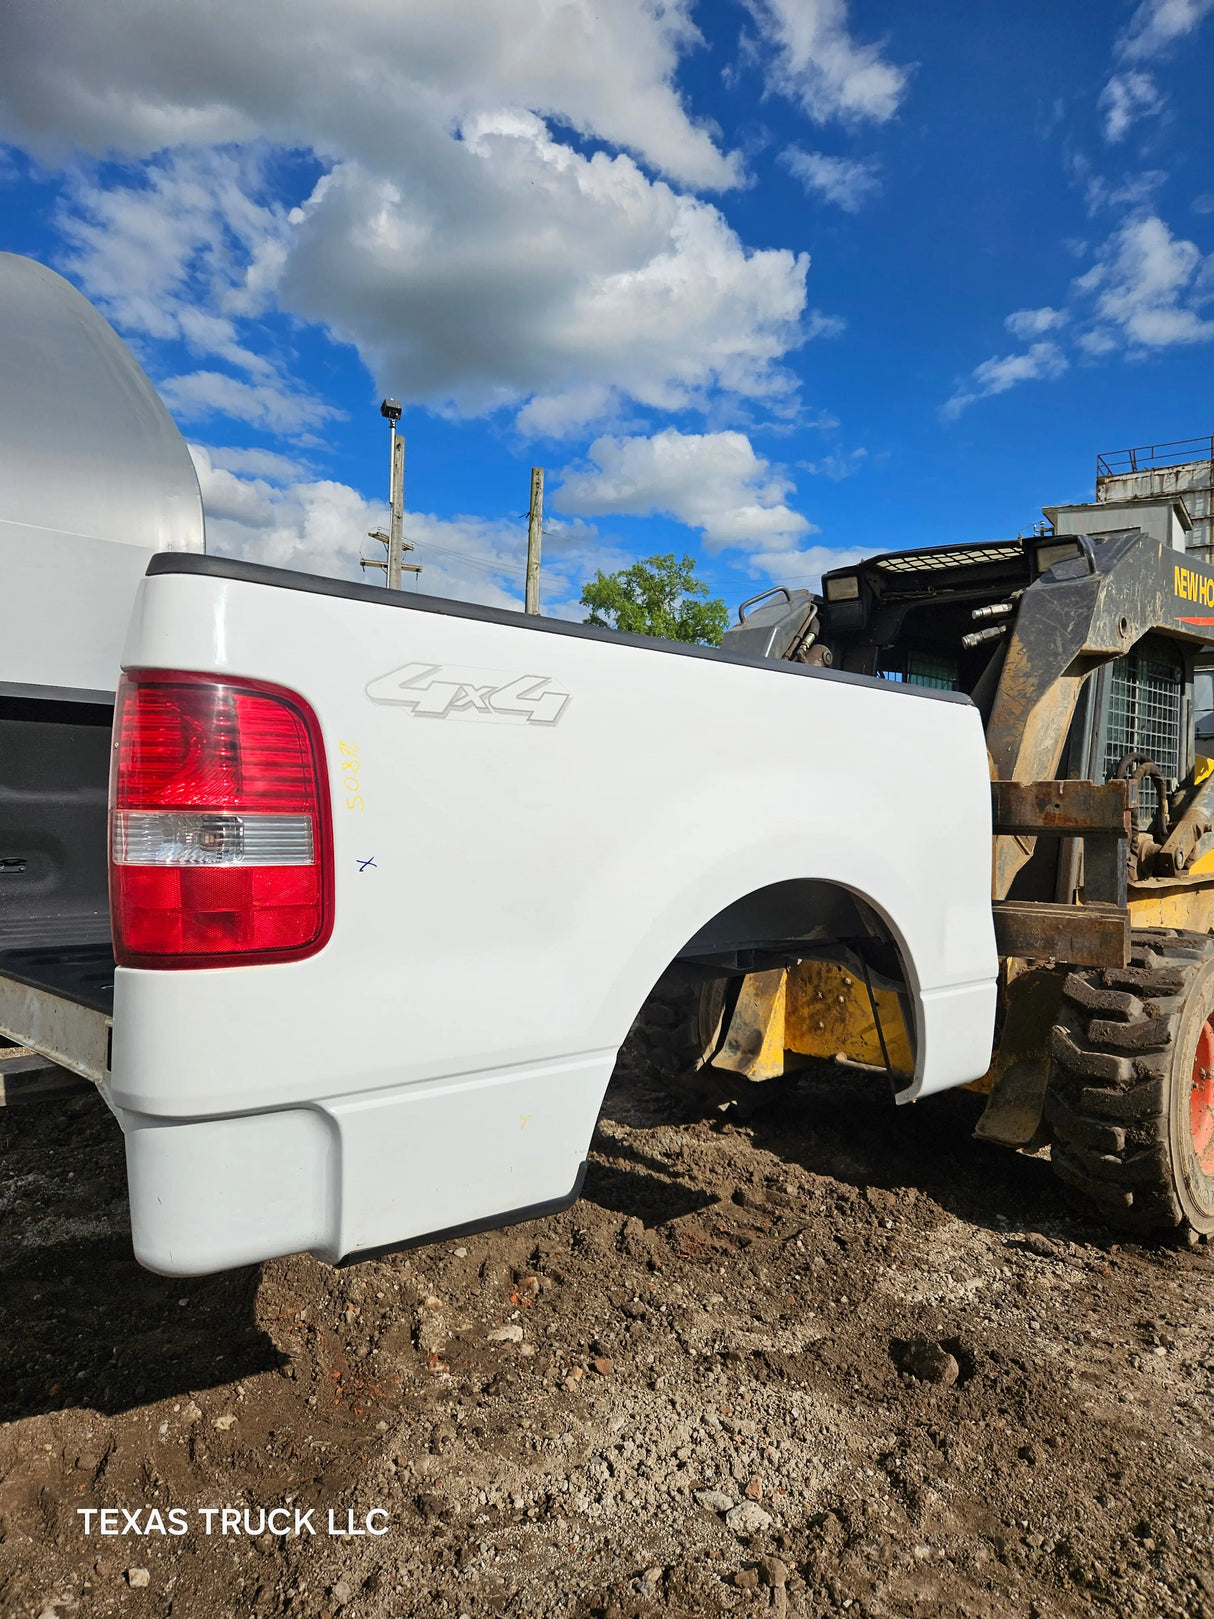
[747, 1519]
[505, 1335]
[342, 1591]
[927, 1360]
[774, 1571]
[137, 1577]
[432, 1331]
[715, 1500]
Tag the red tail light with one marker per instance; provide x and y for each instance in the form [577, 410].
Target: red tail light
[221, 849]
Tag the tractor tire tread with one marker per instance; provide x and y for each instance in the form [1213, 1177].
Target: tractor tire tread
[1111, 1051]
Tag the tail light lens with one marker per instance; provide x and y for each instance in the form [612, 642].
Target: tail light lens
[220, 838]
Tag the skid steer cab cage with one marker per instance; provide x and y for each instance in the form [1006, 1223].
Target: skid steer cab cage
[221, 847]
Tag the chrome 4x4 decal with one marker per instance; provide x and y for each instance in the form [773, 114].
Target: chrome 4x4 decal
[446, 691]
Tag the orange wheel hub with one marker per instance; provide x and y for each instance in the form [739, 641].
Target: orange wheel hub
[1201, 1101]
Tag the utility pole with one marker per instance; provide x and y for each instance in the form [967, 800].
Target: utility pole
[396, 486]
[394, 540]
[535, 532]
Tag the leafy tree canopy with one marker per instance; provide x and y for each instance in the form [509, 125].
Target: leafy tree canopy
[655, 597]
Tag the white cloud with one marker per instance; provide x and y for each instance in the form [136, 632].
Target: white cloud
[476, 260]
[1134, 192]
[314, 526]
[845, 181]
[268, 405]
[1146, 290]
[375, 76]
[806, 567]
[820, 65]
[265, 464]
[1147, 287]
[1126, 98]
[1157, 24]
[321, 526]
[836, 466]
[1026, 323]
[714, 482]
[517, 269]
[1154, 28]
[997, 375]
[186, 253]
[819, 324]
[180, 252]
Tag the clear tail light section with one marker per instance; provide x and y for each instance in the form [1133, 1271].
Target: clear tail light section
[221, 850]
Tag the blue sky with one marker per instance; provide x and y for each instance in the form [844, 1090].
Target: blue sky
[773, 282]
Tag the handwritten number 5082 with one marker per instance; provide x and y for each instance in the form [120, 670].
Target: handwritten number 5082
[350, 781]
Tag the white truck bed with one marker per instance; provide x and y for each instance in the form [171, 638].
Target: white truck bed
[544, 816]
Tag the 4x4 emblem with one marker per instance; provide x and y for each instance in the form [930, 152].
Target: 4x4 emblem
[442, 691]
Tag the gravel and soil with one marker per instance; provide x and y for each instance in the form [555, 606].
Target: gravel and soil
[795, 1351]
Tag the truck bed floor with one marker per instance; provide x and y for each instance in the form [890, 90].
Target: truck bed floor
[83, 973]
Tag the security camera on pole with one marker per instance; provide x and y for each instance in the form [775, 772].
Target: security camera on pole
[394, 540]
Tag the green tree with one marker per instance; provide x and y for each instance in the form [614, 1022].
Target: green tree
[654, 597]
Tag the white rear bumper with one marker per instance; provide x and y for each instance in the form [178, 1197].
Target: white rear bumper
[342, 1176]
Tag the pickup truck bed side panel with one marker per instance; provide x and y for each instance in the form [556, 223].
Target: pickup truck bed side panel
[528, 827]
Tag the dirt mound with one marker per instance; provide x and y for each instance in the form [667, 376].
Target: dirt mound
[794, 1351]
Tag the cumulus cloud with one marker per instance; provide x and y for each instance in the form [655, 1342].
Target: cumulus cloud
[518, 269]
[474, 259]
[845, 181]
[322, 526]
[817, 63]
[997, 375]
[1126, 98]
[139, 76]
[714, 482]
[1026, 323]
[1147, 289]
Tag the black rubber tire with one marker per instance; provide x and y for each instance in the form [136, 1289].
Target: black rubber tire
[1122, 1063]
[676, 1032]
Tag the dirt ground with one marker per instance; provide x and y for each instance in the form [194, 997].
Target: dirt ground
[796, 1351]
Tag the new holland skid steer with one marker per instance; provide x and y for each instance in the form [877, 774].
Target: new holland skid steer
[1082, 650]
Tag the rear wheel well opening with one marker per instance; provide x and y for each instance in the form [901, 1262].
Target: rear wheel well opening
[797, 971]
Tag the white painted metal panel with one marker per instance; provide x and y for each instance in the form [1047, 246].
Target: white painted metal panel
[512, 880]
[94, 476]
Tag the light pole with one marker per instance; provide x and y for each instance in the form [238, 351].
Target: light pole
[390, 411]
[394, 539]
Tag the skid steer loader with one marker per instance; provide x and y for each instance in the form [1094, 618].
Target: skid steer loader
[1081, 652]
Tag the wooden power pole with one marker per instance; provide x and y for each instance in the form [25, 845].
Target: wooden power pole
[396, 529]
[535, 532]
